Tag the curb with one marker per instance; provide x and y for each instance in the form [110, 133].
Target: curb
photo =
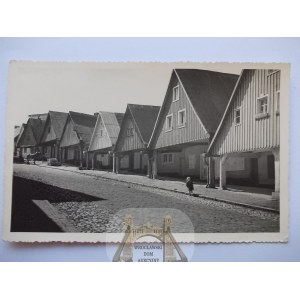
[272, 210]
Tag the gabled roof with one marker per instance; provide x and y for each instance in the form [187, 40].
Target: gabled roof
[227, 110]
[83, 125]
[144, 117]
[112, 122]
[58, 121]
[37, 126]
[209, 93]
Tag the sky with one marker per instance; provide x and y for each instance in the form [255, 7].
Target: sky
[88, 87]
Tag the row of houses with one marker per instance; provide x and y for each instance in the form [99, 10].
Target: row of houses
[216, 127]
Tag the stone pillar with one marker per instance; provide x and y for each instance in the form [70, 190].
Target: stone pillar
[276, 193]
[223, 172]
[154, 164]
[149, 170]
[117, 164]
[93, 160]
[211, 172]
[61, 155]
[114, 162]
[141, 161]
[87, 159]
[80, 156]
[57, 151]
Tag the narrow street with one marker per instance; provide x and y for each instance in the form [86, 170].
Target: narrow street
[94, 204]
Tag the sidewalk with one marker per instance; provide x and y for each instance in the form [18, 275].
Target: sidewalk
[244, 196]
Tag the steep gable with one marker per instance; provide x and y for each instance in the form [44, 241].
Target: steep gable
[69, 136]
[54, 126]
[100, 138]
[83, 125]
[251, 130]
[129, 137]
[27, 139]
[197, 98]
[48, 132]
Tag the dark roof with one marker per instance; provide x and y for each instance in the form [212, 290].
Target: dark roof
[39, 116]
[119, 117]
[58, 121]
[209, 93]
[37, 126]
[83, 125]
[227, 110]
[145, 117]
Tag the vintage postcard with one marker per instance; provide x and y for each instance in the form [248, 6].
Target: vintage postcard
[125, 152]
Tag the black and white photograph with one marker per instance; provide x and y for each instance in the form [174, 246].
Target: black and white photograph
[91, 144]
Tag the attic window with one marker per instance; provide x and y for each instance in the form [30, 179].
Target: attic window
[237, 116]
[176, 93]
[169, 122]
[181, 118]
[129, 131]
[49, 129]
[101, 132]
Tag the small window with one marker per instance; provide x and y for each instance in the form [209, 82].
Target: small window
[176, 93]
[262, 105]
[169, 122]
[181, 118]
[237, 116]
[49, 129]
[101, 132]
[168, 158]
[129, 131]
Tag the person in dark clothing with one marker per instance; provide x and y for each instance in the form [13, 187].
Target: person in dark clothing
[190, 185]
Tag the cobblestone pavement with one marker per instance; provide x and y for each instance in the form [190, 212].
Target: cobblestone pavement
[255, 197]
[145, 204]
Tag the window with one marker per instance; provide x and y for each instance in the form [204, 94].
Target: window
[176, 93]
[169, 122]
[168, 158]
[237, 116]
[262, 105]
[49, 129]
[181, 118]
[101, 132]
[129, 131]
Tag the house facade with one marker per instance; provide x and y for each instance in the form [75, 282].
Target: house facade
[103, 140]
[29, 138]
[17, 132]
[76, 137]
[192, 109]
[131, 152]
[52, 133]
[247, 142]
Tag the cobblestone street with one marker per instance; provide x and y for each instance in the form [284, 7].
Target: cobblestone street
[112, 200]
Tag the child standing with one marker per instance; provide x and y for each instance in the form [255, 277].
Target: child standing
[190, 185]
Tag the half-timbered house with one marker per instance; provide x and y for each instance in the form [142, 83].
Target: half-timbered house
[104, 138]
[29, 139]
[76, 137]
[247, 140]
[192, 109]
[131, 146]
[52, 133]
